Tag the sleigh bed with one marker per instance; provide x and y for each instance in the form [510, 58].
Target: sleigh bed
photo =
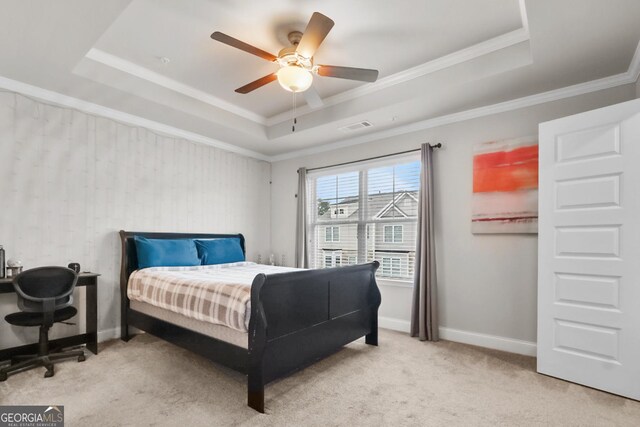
[295, 318]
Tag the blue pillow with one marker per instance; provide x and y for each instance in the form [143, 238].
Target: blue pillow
[220, 251]
[166, 252]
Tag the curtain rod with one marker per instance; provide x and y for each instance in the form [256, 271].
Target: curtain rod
[438, 145]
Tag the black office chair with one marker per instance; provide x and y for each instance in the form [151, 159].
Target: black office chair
[45, 295]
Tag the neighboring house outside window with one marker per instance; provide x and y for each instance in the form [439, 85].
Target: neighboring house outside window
[393, 234]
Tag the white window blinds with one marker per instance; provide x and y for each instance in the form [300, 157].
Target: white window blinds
[363, 214]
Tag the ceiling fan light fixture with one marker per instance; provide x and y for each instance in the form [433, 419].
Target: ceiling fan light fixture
[294, 78]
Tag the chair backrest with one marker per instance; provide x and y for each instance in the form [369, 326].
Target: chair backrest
[36, 286]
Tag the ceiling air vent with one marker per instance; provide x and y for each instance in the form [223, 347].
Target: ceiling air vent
[356, 126]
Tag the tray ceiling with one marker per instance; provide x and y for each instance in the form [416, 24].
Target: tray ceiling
[388, 36]
[436, 58]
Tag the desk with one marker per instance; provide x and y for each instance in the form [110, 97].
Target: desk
[90, 337]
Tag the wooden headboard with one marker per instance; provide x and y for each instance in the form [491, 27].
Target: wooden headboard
[130, 256]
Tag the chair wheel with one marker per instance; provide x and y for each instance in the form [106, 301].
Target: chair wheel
[3, 376]
[81, 358]
[49, 373]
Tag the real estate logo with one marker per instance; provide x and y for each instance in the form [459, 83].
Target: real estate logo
[31, 416]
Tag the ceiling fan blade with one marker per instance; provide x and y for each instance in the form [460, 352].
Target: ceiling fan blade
[361, 74]
[228, 40]
[316, 31]
[313, 98]
[257, 84]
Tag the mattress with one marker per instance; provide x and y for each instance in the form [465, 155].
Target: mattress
[217, 294]
[220, 332]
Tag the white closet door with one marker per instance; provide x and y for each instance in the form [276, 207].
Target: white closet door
[589, 249]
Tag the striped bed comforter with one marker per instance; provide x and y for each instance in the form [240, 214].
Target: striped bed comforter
[219, 294]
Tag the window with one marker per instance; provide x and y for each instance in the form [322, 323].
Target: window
[393, 234]
[332, 234]
[391, 267]
[341, 212]
[332, 259]
[363, 214]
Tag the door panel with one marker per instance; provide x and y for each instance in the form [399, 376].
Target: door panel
[589, 249]
[589, 143]
[600, 192]
[588, 290]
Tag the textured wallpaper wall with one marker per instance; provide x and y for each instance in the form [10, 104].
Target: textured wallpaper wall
[69, 181]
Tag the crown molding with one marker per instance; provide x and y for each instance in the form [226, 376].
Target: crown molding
[120, 116]
[128, 67]
[515, 104]
[524, 18]
[497, 43]
[634, 66]
[467, 54]
[630, 76]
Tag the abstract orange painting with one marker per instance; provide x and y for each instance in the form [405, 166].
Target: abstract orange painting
[505, 187]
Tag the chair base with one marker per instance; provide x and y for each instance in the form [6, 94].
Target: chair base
[23, 363]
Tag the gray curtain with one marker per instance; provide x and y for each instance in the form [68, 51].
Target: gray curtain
[302, 253]
[424, 313]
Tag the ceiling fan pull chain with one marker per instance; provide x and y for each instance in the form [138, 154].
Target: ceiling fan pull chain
[295, 121]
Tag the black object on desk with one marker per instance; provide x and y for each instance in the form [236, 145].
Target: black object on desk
[90, 337]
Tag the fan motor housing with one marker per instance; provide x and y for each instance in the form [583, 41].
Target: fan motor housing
[287, 52]
[289, 56]
[294, 37]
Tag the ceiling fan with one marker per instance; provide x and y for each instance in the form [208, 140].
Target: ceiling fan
[296, 61]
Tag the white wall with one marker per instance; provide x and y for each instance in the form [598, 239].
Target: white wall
[69, 181]
[487, 283]
[638, 88]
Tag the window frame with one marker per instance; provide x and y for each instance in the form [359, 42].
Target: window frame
[361, 215]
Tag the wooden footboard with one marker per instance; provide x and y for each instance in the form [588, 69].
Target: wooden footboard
[300, 317]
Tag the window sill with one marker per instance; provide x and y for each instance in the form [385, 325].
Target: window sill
[395, 282]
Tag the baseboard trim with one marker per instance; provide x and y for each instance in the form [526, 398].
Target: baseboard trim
[494, 342]
[108, 334]
[394, 324]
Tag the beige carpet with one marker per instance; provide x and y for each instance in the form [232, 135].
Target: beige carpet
[402, 382]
